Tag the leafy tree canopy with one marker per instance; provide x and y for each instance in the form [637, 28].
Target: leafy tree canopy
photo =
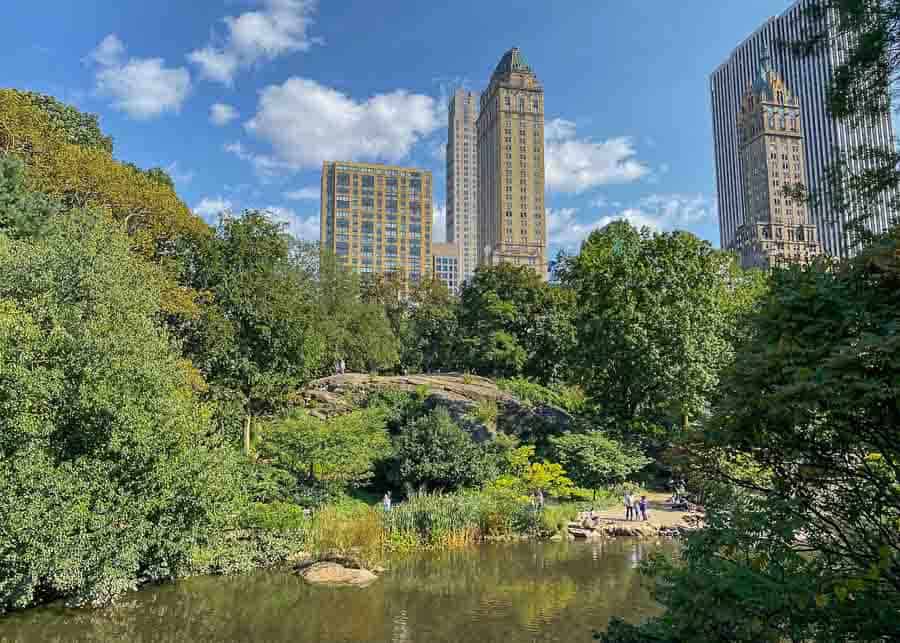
[99, 428]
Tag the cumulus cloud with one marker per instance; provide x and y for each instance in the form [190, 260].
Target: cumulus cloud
[304, 194]
[222, 114]
[276, 28]
[306, 123]
[575, 164]
[439, 225]
[658, 212]
[143, 88]
[265, 166]
[178, 175]
[301, 227]
[211, 207]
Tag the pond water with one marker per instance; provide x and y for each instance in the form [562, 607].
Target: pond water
[522, 592]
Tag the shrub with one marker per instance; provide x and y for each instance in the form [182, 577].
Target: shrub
[326, 457]
[436, 453]
[107, 475]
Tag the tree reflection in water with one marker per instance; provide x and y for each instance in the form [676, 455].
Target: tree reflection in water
[523, 592]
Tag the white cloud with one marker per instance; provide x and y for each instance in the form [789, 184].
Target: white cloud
[678, 209]
[304, 194]
[575, 165]
[141, 87]
[222, 114]
[109, 52]
[299, 226]
[277, 28]
[659, 212]
[178, 175]
[265, 166]
[439, 225]
[210, 207]
[307, 123]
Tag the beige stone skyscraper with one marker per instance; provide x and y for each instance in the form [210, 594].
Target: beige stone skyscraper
[377, 218]
[462, 180]
[511, 222]
[776, 229]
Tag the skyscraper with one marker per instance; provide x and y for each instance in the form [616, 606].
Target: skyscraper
[808, 78]
[775, 230]
[377, 218]
[446, 265]
[462, 180]
[511, 223]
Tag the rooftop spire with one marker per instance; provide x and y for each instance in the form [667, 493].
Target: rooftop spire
[512, 61]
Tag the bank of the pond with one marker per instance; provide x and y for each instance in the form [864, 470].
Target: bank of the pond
[531, 591]
[421, 522]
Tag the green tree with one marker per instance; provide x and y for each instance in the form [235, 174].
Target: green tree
[259, 335]
[514, 324]
[107, 478]
[355, 328]
[434, 452]
[431, 330]
[22, 213]
[77, 127]
[593, 459]
[654, 318]
[523, 476]
[800, 464]
[329, 456]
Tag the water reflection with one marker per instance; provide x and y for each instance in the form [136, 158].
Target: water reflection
[527, 592]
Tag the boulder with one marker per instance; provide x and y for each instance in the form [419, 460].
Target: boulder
[337, 575]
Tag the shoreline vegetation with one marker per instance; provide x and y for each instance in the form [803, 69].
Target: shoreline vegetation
[169, 403]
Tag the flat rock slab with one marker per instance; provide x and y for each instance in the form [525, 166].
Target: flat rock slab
[334, 574]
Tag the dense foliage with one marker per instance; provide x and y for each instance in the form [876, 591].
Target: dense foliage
[658, 313]
[107, 477]
[139, 344]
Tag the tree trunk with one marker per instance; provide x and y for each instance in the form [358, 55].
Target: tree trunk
[247, 436]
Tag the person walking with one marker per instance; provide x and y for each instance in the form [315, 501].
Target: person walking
[386, 501]
[628, 505]
[643, 507]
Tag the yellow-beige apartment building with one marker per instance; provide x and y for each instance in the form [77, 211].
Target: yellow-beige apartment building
[512, 226]
[376, 219]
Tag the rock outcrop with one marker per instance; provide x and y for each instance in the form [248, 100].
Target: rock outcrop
[335, 574]
[588, 528]
[461, 395]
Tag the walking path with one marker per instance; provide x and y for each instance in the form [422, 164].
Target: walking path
[660, 514]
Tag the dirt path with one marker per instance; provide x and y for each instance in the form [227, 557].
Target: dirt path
[659, 514]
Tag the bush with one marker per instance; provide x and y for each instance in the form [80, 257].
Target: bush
[568, 398]
[435, 453]
[99, 426]
[326, 457]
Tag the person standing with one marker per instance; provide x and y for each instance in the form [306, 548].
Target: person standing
[643, 507]
[343, 366]
[386, 501]
[628, 505]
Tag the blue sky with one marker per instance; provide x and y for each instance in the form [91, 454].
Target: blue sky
[243, 99]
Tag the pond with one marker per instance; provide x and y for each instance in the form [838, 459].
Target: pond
[520, 592]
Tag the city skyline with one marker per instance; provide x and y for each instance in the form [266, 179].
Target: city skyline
[244, 118]
[808, 79]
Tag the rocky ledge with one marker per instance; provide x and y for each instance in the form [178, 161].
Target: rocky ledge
[593, 528]
[460, 394]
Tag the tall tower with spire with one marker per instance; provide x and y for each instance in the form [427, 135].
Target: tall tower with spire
[512, 227]
[776, 229]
